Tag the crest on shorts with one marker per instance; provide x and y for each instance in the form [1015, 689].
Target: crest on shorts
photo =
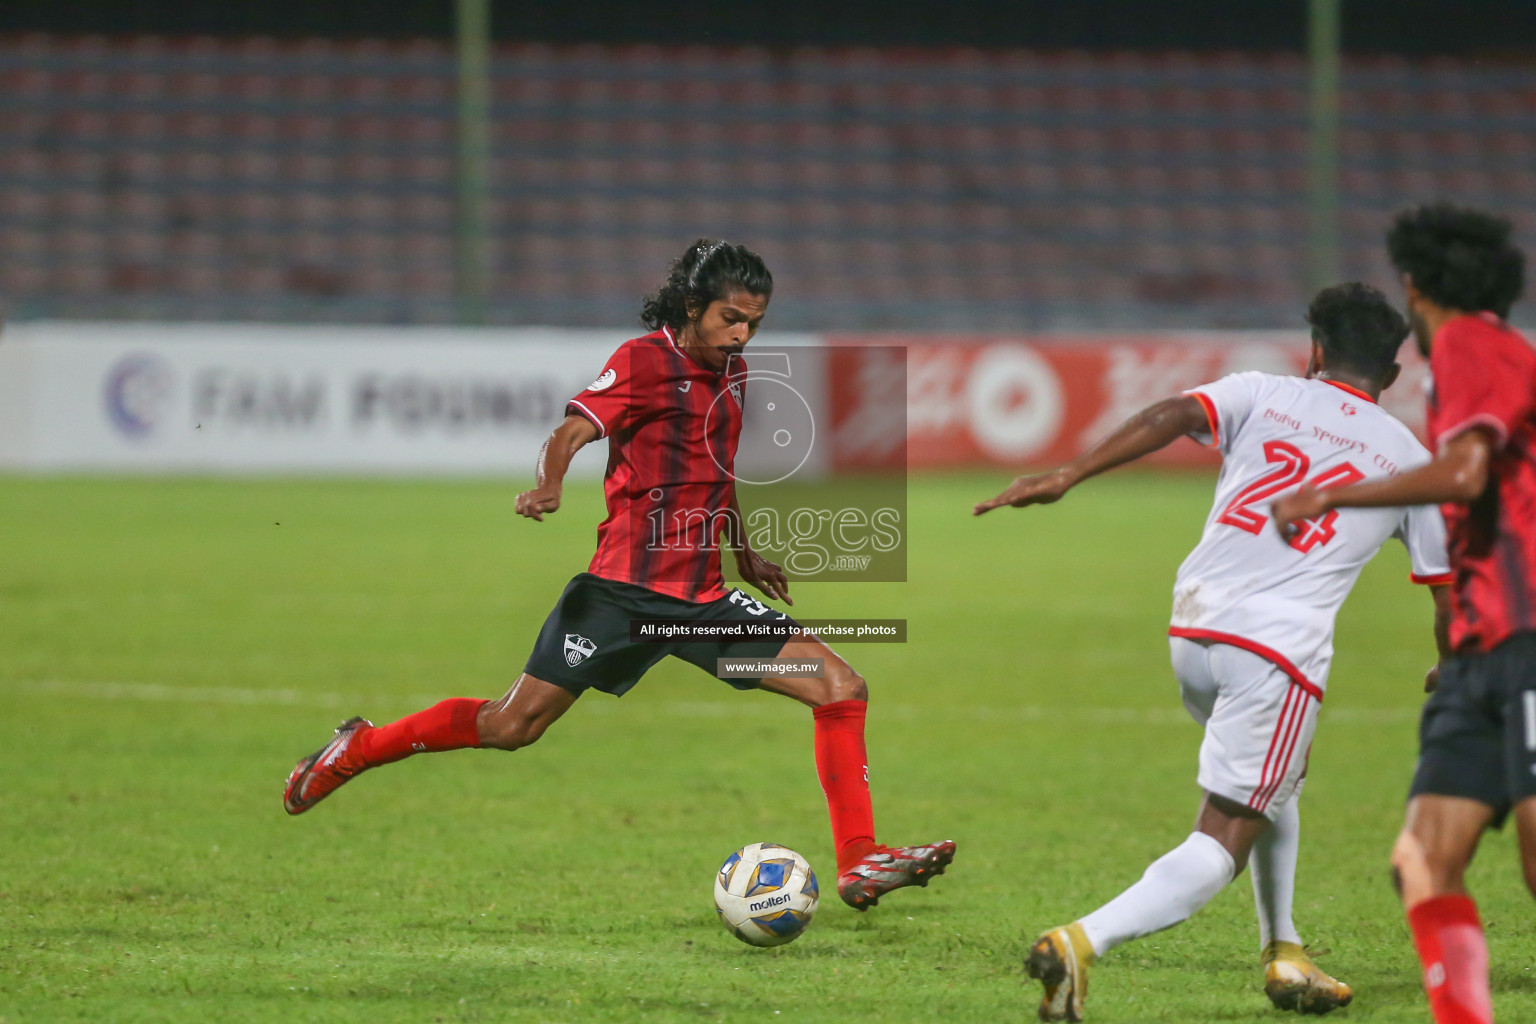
[577, 648]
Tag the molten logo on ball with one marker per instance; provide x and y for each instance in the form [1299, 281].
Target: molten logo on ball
[766, 894]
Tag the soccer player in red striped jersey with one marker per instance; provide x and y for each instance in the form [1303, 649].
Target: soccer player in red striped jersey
[1477, 736]
[670, 405]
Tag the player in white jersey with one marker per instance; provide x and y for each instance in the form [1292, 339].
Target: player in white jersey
[1252, 631]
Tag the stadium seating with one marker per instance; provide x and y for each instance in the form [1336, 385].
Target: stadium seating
[950, 189]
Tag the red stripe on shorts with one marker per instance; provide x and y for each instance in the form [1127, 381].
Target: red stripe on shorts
[1274, 744]
[1290, 725]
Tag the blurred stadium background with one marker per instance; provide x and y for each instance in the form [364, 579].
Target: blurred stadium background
[992, 171]
[1025, 167]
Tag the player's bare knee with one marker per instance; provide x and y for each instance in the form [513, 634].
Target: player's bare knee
[1418, 874]
[1407, 859]
[1408, 854]
[843, 683]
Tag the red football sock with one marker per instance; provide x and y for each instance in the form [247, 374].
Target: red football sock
[447, 725]
[844, 770]
[1449, 938]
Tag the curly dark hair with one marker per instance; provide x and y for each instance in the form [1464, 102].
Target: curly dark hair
[706, 272]
[1458, 257]
[1357, 328]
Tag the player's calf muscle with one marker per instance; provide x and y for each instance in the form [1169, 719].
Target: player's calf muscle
[507, 732]
[520, 718]
[1439, 841]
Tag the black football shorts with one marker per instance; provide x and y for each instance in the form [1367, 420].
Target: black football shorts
[585, 643]
[1477, 736]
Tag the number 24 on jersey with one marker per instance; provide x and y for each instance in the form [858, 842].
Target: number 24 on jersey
[1291, 468]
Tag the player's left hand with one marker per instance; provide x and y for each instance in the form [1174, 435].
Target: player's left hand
[1432, 679]
[1306, 503]
[1041, 489]
[763, 574]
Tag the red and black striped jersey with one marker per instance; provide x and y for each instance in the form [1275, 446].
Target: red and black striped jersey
[1485, 378]
[673, 426]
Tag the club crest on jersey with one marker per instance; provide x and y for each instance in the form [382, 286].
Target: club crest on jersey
[604, 382]
[577, 648]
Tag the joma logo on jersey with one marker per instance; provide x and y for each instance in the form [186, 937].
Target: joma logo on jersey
[772, 901]
[577, 648]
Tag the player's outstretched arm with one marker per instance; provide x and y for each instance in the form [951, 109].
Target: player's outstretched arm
[1156, 426]
[554, 459]
[1458, 475]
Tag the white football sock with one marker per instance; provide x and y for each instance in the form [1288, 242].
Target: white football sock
[1273, 865]
[1176, 885]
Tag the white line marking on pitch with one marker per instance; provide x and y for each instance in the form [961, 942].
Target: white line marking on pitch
[739, 708]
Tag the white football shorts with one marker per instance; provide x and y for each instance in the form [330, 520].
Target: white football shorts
[1258, 723]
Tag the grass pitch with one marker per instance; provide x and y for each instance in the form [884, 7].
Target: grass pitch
[169, 649]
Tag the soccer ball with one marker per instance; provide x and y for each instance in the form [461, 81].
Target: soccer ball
[766, 894]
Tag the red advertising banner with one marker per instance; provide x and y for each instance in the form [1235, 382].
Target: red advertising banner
[1013, 401]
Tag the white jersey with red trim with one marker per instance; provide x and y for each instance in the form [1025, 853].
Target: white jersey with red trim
[1245, 585]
